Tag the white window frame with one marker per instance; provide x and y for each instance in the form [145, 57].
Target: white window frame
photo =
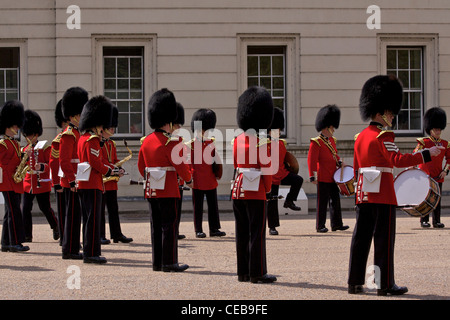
[23, 70]
[429, 43]
[292, 76]
[148, 42]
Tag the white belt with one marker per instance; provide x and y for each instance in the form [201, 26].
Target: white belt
[161, 168]
[248, 169]
[381, 169]
[75, 161]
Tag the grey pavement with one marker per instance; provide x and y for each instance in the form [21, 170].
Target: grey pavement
[308, 265]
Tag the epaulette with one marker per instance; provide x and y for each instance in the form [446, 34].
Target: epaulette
[385, 132]
[57, 138]
[316, 140]
[93, 136]
[263, 141]
[335, 139]
[284, 141]
[421, 141]
[3, 143]
[142, 139]
[69, 131]
[357, 135]
[189, 143]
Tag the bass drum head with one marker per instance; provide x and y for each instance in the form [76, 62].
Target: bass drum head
[346, 176]
[411, 187]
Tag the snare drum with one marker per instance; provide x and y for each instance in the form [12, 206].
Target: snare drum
[417, 193]
[344, 180]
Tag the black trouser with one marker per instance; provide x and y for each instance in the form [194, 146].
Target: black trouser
[436, 212]
[110, 202]
[293, 180]
[13, 231]
[213, 209]
[179, 205]
[61, 204]
[43, 200]
[375, 221]
[328, 193]
[91, 206]
[250, 216]
[72, 223]
[164, 230]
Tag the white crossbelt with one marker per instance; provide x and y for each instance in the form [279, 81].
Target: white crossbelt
[381, 169]
[161, 168]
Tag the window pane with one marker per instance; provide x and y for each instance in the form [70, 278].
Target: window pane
[135, 67]
[403, 59]
[416, 80]
[404, 78]
[416, 59]
[252, 82]
[252, 66]
[278, 83]
[11, 79]
[110, 84]
[122, 106]
[110, 94]
[278, 103]
[416, 119]
[391, 59]
[124, 124]
[122, 67]
[122, 84]
[266, 82]
[2, 79]
[135, 123]
[135, 95]
[12, 95]
[110, 68]
[265, 66]
[403, 121]
[124, 95]
[277, 66]
[415, 100]
[135, 106]
[135, 84]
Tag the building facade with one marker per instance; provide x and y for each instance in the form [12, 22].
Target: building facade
[306, 53]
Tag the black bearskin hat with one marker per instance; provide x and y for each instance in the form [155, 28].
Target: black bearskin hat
[380, 94]
[162, 108]
[98, 111]
[32, 124]
[180, 114]
[255, 109]
[12, 113]
[73, 101]
[435, 118]
[114, 118]
[327, 116]
[278, 119]
[59, 118]
[206, 116]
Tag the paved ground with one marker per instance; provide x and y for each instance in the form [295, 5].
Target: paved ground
[308, 265]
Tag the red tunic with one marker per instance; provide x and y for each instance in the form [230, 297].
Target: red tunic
[30, 183]
[109, 157]
[434, 167]
[68, 155]
[282, 171]
[375, 147]
[54, 160]
[247, 152]
[10, 156]
[201, 164]
[89, 150]
[323, 158]
[156, 151]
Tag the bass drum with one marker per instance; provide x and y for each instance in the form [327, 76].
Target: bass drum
[291, 163]
[417, 193]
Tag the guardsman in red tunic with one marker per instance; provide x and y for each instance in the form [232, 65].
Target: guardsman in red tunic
[72, 105]
[37, 182]
[11, 120]
[109, 157]
[203, 155]
[323, 161]
[160, 162]
[375, 155]
[435, 121]
[252, 162]
[62, 123]
[97, 114]
[282, 177]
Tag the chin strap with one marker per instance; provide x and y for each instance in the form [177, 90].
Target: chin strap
[385, 119]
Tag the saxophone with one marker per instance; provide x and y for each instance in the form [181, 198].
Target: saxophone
[119, 164]
[22, 168]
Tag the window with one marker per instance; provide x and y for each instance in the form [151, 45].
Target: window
[273, 61]
[406, 63]
[266, 68]
[413, 58]
[9, 74]
[124, 85]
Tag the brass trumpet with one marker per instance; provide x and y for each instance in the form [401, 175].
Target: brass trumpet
[23, 167]
[119, 164]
